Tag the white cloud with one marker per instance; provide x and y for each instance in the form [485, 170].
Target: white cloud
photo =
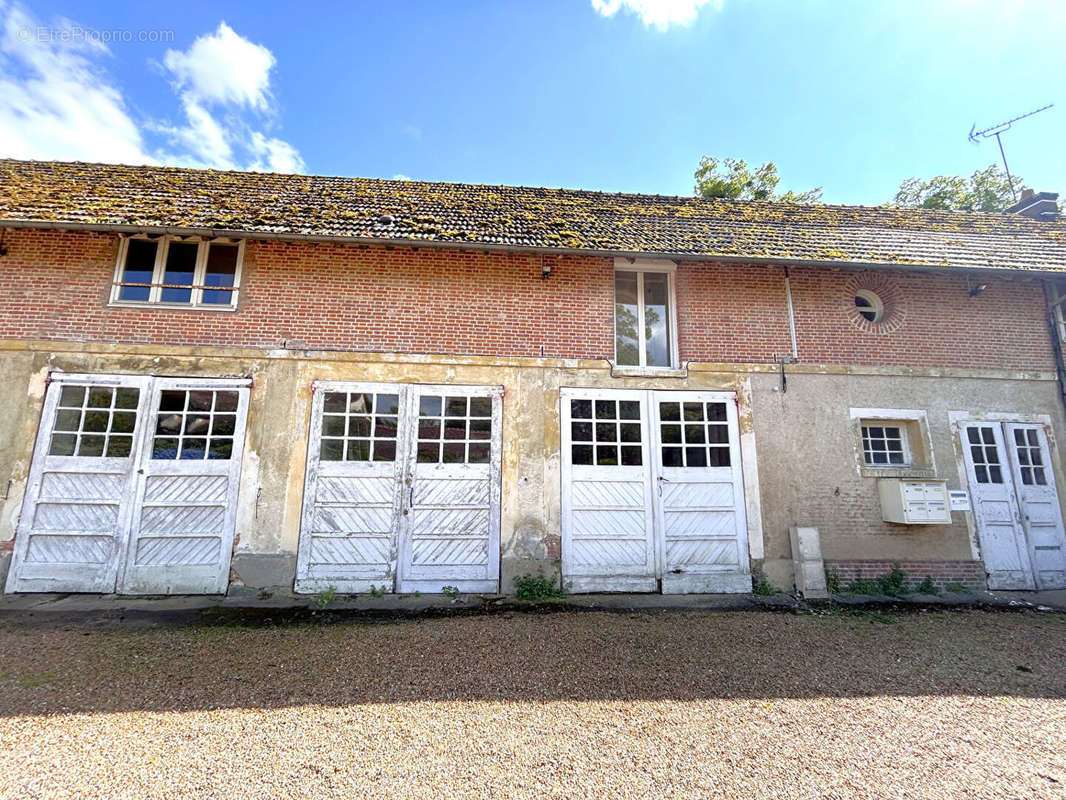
[58, 101]
[55, 102]
[399, 176]
[225, 68]
[659, 14]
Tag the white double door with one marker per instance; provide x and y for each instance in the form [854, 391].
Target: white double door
[1015, 504]
[133, 486]
[402, 490]
[652, 492]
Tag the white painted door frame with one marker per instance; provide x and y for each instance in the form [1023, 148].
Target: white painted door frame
[1038, 502]
[184, 514]
[700, 511]
[1018, 535]
[77, 530]
[407, 524]
[351, 508]
[607, 510]
[450, 526]
[74, 522]
[628, 527]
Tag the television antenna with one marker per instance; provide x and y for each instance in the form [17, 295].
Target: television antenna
[996, 130]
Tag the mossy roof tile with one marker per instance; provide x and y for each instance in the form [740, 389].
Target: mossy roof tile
[106, 195]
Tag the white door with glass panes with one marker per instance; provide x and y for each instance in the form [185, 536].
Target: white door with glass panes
[1038, 502]
[128, 493]
[1015, 504]
[402, 490]
[652, 494]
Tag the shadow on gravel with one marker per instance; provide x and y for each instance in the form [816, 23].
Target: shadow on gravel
[271, 659]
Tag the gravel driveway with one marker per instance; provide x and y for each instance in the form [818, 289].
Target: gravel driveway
[643, 705]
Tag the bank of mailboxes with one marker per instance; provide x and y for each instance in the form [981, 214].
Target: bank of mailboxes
[914, 502]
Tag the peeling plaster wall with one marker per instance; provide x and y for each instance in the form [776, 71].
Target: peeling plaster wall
[272, 480]
[799, 448]
[808, 450]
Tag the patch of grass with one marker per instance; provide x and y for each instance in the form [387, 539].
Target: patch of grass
[893, 583]
[451, 592]
[863, 586]
[536, 587]
[832, 581]
[325, 597]
[927, 586]
[31, 680]
[956, 588]
[763, 588]
[377, 591]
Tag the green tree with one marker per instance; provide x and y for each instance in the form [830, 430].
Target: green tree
[731, 178]
[986, 190]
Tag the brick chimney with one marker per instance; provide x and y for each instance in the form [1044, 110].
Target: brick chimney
[1037, 205]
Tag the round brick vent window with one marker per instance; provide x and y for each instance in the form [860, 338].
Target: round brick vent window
[873, 303]
[871, 307]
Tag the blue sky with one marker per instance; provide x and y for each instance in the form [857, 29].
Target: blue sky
[618, 95]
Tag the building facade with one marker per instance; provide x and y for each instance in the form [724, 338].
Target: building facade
[217, 380]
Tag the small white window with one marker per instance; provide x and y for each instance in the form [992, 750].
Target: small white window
[644, 322]
[188, 272]
[870, 306]
[885, 445]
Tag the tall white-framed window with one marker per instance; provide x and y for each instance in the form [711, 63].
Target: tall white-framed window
[645, 314]
[178, 272]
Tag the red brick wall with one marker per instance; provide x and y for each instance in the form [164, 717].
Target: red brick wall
[728, 312]
[56, 286]
[970, 574]
[346, 297]
[935, 322]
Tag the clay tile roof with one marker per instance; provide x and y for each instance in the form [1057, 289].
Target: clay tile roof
[115, 197]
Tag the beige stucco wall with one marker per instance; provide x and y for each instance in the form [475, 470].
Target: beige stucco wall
[279, 410]
[808, 455]
[806, 471]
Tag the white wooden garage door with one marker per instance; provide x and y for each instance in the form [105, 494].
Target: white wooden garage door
[133, 487]
[1015, 504]
[652, 492]
[402, 490]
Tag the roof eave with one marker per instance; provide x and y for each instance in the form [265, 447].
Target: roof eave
[510, 248]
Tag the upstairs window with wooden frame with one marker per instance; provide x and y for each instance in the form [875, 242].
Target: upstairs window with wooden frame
[645, 320]
[178, 272]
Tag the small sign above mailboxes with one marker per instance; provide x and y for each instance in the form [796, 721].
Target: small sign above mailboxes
[914, 502]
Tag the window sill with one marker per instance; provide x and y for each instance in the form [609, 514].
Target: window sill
[647, 372]
[170, 306]
[897, 472]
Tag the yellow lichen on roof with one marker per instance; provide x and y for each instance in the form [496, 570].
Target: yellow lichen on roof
[522, 217]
